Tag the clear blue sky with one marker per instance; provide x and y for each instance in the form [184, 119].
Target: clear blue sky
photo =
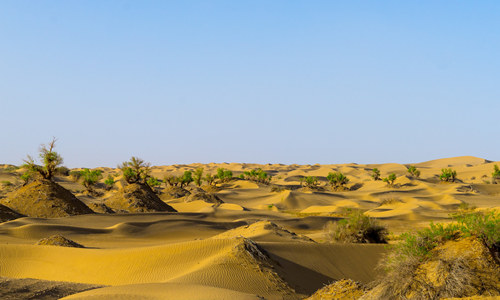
[250, 81]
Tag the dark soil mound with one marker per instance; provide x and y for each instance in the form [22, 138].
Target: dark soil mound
[204, 196]
[100, 208]
[7, 214]
[137, 198]
[45, 199]
[59, 240]
[175, 192]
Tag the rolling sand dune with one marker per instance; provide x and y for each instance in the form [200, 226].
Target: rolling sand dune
[239, 240]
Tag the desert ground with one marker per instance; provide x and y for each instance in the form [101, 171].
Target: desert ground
[239, 239]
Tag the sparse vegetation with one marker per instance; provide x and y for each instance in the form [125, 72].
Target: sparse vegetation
[311, 182]
[198, 176]
[27, 176]
[356, 228]
[415, 248]
[495, 176]
[109, 182]
[257, 175]
[448, 175]
[154, 183]
[135, 170]
[50, 160]
[210, 179]
[74, 175]
[90, 178]
[186, 178]
[224, 175]
[414, 172]
[337, 180]
[62, 171]
[375, 174]
[390, 179]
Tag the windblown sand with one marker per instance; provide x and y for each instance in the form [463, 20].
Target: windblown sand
[252, 242]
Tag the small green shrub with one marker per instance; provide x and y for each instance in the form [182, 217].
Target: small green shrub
[311, 181]
[390, 179]
[448, 175]
[496, 174]
[109, 182]
[135, 170]
[375, 174]
[186, 178]
[198, 176]
[337, 180]
[414, 171]
[224, 175]
[257, 175]
[153, 182]
[90, 178]
[356, 228]
[51, 160]
[210, 179]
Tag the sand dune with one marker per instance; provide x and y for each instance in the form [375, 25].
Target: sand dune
[259, 240]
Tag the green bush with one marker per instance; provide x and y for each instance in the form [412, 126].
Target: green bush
[356, 228]
[390, 179]
[210, 179]
[337, 180]
[198, 176]
[375, 174]
[257, 175]
[186, 178]
[135, 170]
[310, 181]
[496, 173]
[62, 170]
[26, 177]
[448, 175]
[224, 175]
[51, 160]
[109, 182]
[414, 171]
[90, 178]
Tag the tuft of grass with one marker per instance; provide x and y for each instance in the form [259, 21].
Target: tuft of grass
[448, 175]
[356, 228]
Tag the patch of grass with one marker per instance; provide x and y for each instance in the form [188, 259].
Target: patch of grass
[448, 175]
[356, 228]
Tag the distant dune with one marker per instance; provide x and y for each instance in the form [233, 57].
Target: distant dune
[240, 239]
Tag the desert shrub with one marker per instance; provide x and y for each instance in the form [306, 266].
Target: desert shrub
[311, 181]
[62, 171]
[198, 176]
[50, 161]
[135, 170]
[496, 174]
[356, 228]
[390, 179]
[210, 179]
[154, 183]
[224, 175]
[413, 171]
[337, 180]
[186, 178]
[90, 178]
[109, 182]
[277, 188]
[448, 175]
[375, 174]
[417, 246]
[27, 177]
[257, 175]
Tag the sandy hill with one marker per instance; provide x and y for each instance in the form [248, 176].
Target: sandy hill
[137, 198]
[45, 199]
[242, 240]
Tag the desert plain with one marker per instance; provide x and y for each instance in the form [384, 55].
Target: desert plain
[238, 239]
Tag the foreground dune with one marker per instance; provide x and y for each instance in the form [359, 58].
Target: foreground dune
[256, 240]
